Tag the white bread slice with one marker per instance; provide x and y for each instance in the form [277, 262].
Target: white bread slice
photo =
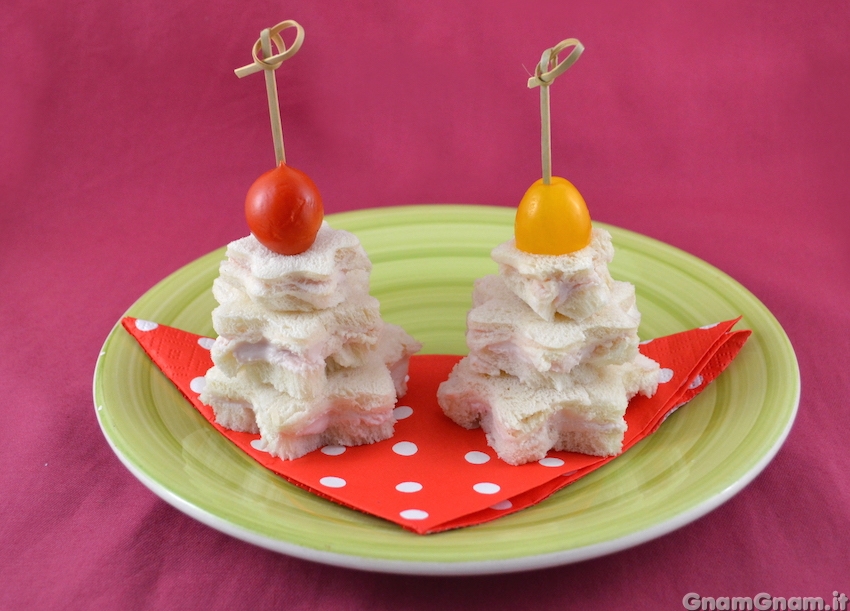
[304, 381]
[296, 341]
[229, 399]
[344, 429]
[504, 334]
[574, 285]
[355, 407]
[326, 274]
[395, 347]
[523, 422]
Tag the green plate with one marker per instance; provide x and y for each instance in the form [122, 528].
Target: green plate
[425, 260]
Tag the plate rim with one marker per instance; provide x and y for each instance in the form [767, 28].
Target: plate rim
[460, 567]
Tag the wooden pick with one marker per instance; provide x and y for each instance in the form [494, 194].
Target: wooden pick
[269, 63]
[544, 75]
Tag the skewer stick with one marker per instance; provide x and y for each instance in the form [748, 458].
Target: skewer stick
[269, 63]
[544, 75]
[545, 135]
[274, 105]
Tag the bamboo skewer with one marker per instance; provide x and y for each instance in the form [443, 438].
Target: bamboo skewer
[545, 135]
[544, 75]
[269, 63]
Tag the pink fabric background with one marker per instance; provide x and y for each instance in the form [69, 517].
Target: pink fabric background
[126, 148]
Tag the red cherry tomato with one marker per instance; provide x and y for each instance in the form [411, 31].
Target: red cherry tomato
[284, 210]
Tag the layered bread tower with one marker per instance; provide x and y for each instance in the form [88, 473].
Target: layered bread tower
[553, 355]
[303, 356]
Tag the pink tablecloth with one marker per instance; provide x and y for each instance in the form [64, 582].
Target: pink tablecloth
[126, 148]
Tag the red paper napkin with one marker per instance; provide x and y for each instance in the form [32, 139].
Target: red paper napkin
[434, 475]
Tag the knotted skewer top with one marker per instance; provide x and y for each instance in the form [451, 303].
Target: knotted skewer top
[545, 73]
[283, 53]
[268, 63]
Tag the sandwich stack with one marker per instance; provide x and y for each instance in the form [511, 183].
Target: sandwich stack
[303, 356]
[553, 355]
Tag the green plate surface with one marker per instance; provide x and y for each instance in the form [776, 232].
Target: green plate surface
[425, 260]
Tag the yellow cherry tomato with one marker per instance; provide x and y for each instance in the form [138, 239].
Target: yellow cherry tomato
[552, 219]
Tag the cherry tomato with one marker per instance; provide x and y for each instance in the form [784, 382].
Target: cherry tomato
[284, 210]
[552, 219]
